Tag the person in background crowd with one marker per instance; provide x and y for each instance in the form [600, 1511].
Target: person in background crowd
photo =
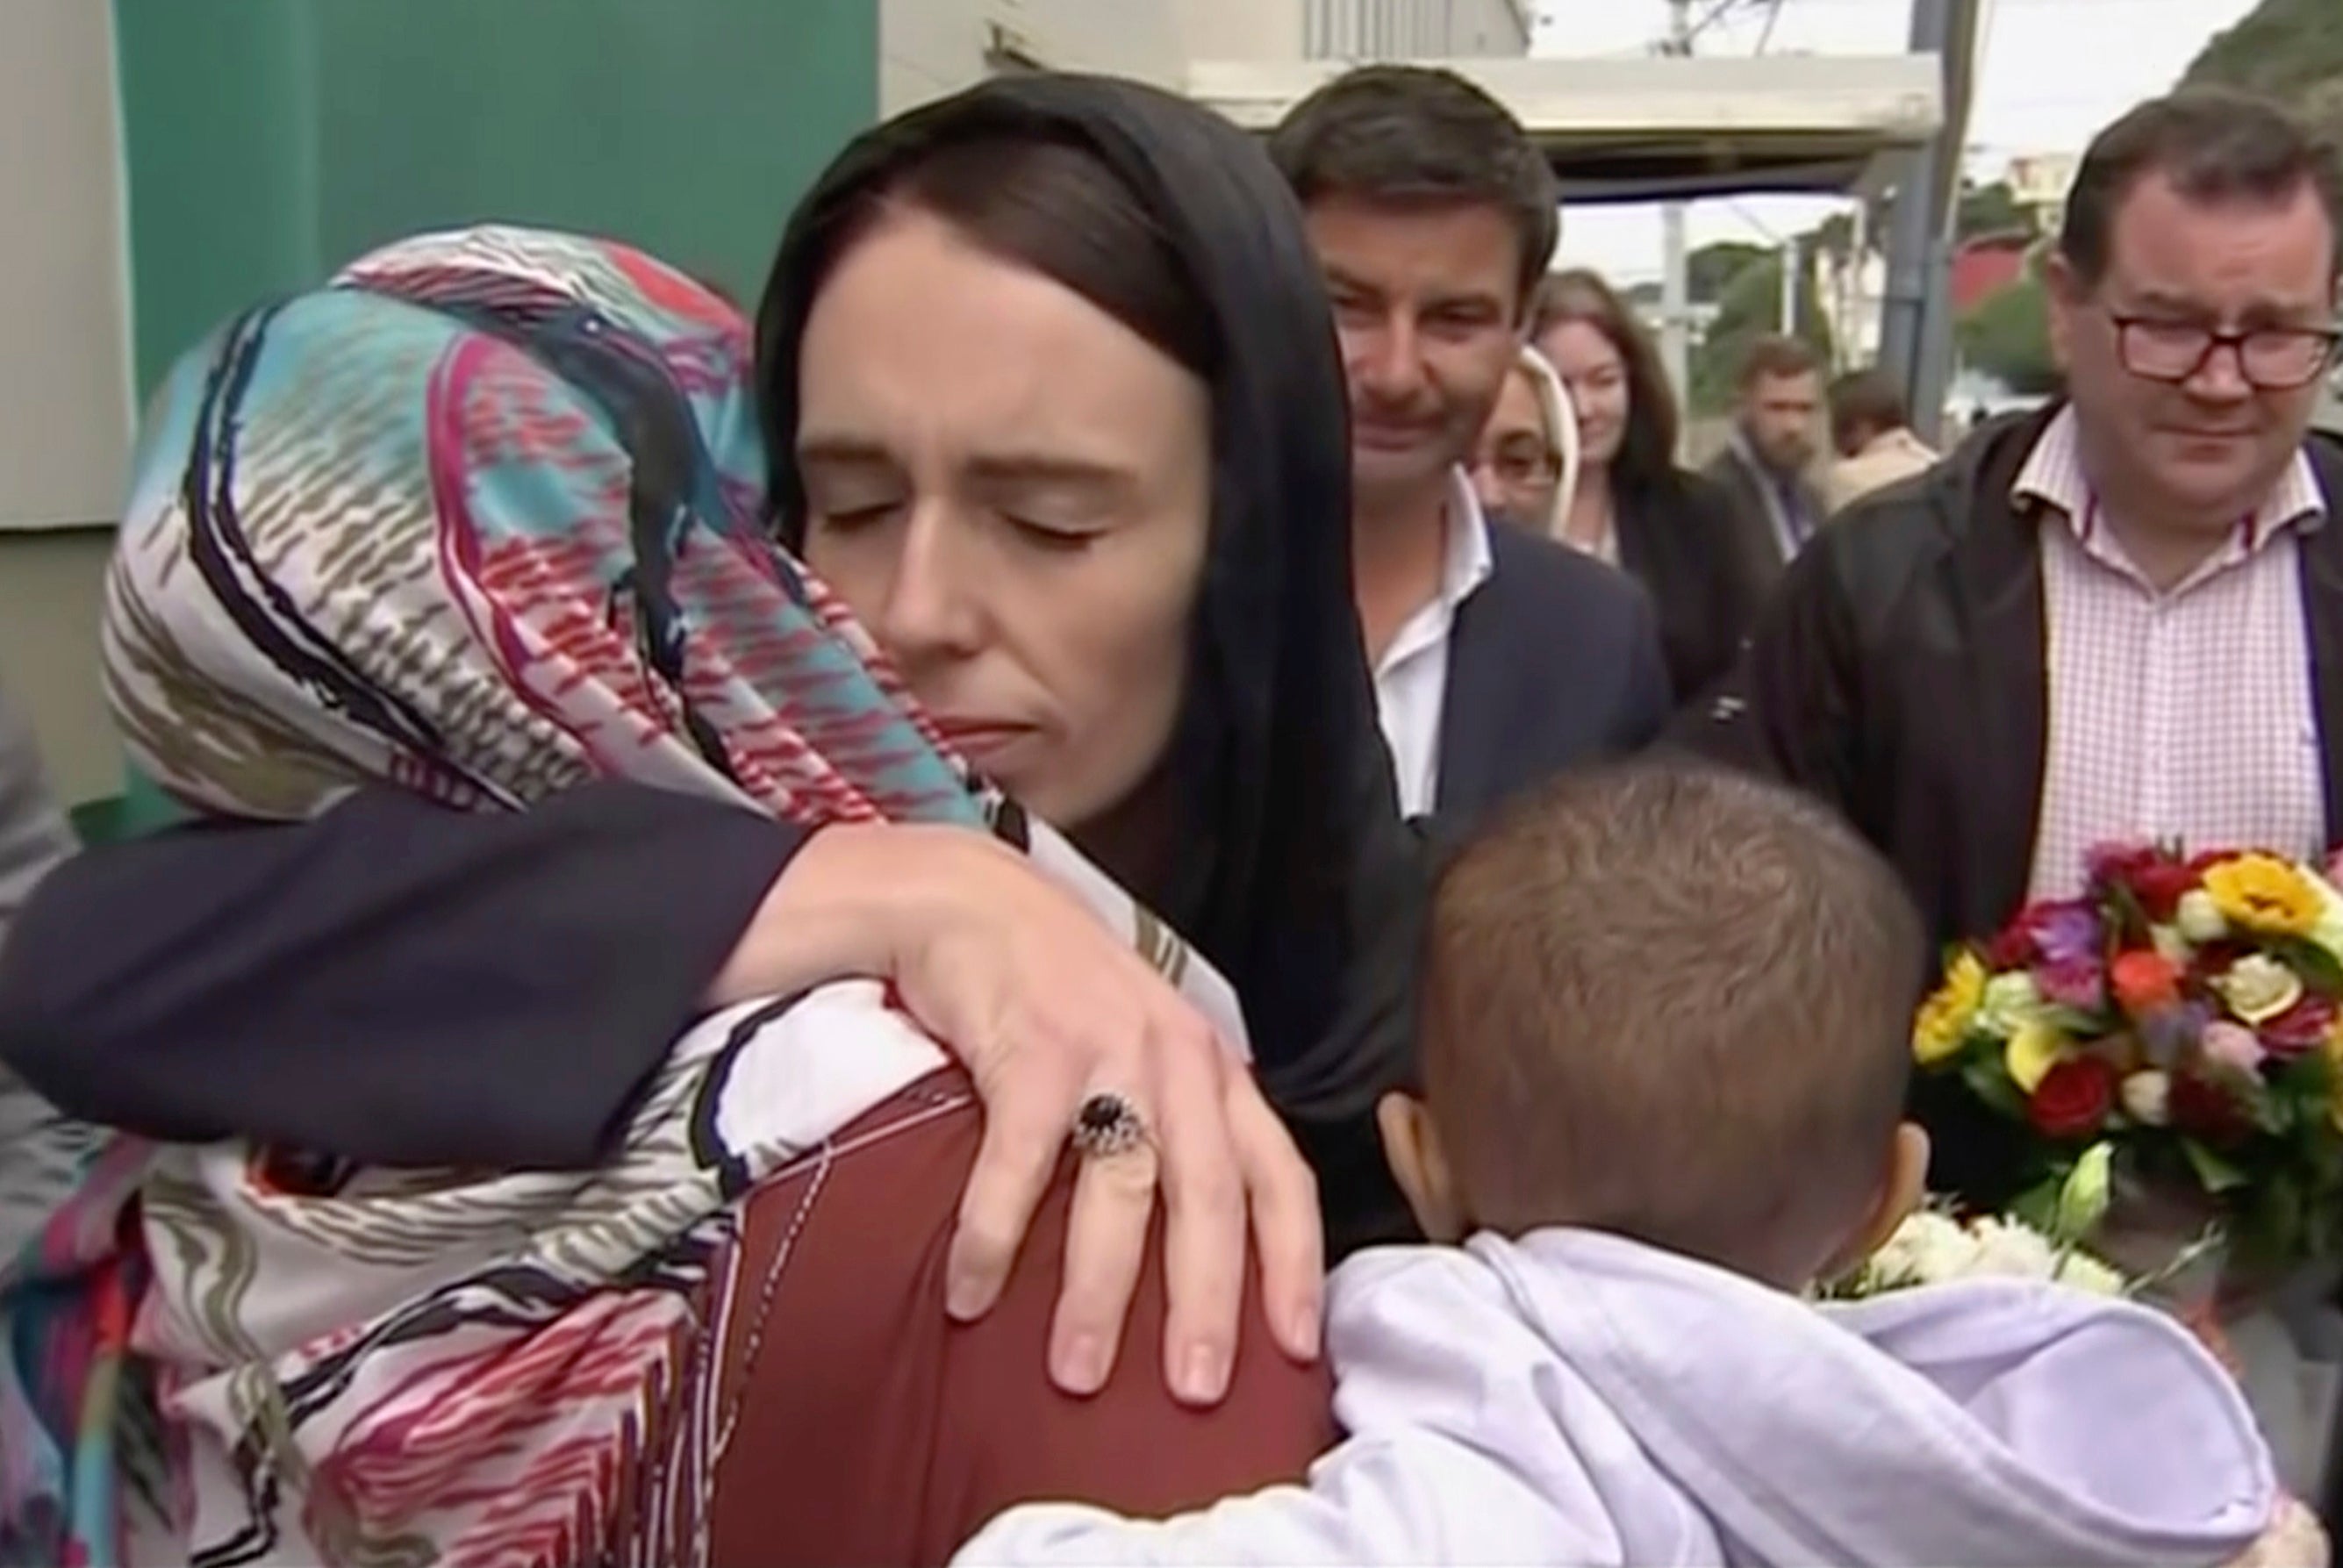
[1872, 432]
[1526, 459]
[1610, 1362]
[2118, 618]
[1671, 530]
[1766, 461]
[34, 836]
[1500, 658]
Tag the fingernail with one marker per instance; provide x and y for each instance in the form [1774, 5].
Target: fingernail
[1081, 1365]
[1202, 1376]
[1301, 1333]
[965, 1297]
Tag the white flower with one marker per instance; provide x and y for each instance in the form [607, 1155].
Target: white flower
[2258, 988]
[2011, 1001]
[2199, 918]
[2015, 1250]
[2081, 1272]
[2148, 1098]
[2170, 945]
[1926, 1248]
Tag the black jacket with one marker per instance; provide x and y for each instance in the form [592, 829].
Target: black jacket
[1553, 661]
[1736, 478]
[1898, 673]
[1680, 540]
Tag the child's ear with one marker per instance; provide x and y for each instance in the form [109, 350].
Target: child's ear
[1902, 1187]
[1412, 1148]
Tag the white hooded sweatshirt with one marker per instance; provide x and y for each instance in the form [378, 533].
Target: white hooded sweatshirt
[1577, 1399]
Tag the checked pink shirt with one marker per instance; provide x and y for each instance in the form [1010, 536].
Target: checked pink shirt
[2181, 714]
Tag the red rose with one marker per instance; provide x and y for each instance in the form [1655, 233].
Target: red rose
[2072, 1099]
[2159, 884]
[2013, 948]
[2203, 1109]
[2301, 1029]
[2144, 981]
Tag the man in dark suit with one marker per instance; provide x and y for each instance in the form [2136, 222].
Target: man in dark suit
[1763, 467]
[1500, 657]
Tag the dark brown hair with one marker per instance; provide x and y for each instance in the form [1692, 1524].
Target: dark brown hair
[1647, 448]
[1420, 134]
[1866, 400]
[1675, 1004]
[1053, 207]
[1773, 356]
[2215, 145]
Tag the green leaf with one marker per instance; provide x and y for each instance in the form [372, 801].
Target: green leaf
[1990, 1082]
[2318, 967]
[2084, 1196]
[2213, 1173]
[2037, 1206]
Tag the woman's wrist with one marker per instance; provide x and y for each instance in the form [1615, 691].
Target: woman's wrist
[842, 908]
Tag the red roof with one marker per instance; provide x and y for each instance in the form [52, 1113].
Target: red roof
[1983, 266]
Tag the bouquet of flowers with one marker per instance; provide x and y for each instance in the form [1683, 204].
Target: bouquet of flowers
[2186, 1015]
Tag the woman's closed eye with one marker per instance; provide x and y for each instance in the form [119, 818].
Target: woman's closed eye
[1051, 536]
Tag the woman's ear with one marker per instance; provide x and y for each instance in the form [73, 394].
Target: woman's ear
[1412, 1148]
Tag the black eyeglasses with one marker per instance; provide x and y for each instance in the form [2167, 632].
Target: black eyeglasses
[2271, 358]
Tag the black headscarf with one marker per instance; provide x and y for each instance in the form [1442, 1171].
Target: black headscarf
[1310, 887]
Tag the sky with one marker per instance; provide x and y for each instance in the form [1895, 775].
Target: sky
[2050, 73]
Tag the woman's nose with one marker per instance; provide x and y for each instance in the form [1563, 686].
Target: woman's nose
[931, 608]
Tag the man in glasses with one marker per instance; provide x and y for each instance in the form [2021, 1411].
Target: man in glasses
[2120, 617]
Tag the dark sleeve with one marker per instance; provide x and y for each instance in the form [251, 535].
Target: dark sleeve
[394, 982]
[1788, 709]
[1646, 694]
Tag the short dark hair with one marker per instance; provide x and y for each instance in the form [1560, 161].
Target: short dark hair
[1866, 399]
[1421, 133]
[1647, 448]
[2215, 145]
[1675, 1004]
[1772, 356]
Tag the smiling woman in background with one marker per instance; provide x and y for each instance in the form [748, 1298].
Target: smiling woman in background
[1632, 505]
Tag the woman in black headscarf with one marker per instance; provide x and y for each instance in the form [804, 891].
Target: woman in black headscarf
[576, 940]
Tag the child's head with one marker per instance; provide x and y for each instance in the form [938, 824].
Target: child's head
[1673, 1004]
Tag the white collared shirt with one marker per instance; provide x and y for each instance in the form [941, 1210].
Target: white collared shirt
[1412, 676]
[2179, 714]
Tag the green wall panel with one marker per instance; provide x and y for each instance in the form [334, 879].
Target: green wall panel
[269, 141]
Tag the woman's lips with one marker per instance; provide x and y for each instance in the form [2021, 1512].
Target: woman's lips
[978, 738]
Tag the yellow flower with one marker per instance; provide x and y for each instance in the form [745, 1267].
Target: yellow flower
[2031, 1052]
[2264, 893]
[1944, 1018]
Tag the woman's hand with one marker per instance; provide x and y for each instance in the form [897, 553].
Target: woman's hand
[1046, 1006]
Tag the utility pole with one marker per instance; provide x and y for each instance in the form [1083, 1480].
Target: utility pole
[1675, 262]
[1916, 328]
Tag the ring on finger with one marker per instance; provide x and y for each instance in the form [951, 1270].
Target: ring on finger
[1108, 1124]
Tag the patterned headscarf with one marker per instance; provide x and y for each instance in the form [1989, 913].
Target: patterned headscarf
[483, 521]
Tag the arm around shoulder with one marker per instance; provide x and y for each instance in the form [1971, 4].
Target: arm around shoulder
[392, 982]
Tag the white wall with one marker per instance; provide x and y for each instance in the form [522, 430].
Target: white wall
[65, 372]
[1414, 29]
[928, 48]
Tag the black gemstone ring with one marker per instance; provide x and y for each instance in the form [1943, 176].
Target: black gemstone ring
[1108, 1124]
